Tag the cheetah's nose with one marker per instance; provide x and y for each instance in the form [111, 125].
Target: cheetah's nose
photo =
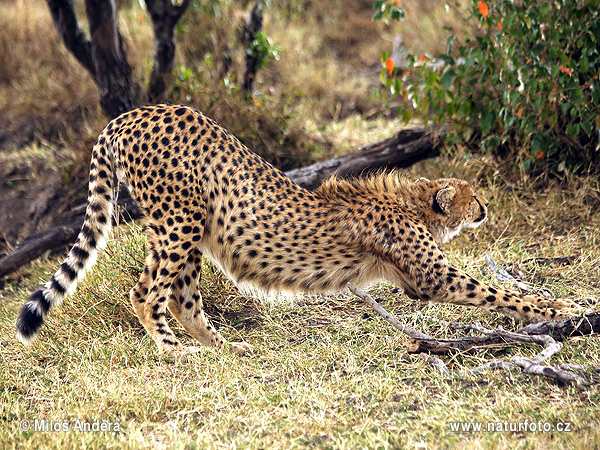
[487, 204]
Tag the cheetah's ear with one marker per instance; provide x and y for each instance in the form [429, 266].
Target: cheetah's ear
[421, 180]
[443, 198]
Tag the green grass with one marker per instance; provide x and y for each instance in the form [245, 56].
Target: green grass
[325, 373]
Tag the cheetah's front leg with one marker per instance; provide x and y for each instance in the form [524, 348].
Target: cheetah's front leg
[442, 283]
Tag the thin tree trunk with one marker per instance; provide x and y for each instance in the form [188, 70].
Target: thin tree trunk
[250, 29]
[67, 25]
[164, 15]
[113, 74]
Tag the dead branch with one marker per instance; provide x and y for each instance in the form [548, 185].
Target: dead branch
[534, 366]
[531, 366]
[502, 274]
[559, 330]
[386, 315]
[436, 363]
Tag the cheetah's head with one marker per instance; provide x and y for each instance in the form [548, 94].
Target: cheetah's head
[449, 205]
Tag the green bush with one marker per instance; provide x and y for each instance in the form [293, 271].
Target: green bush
[525, 82]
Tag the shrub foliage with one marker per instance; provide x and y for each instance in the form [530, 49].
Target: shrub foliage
[524, 82]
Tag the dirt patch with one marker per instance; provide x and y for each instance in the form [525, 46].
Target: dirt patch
[29, 205]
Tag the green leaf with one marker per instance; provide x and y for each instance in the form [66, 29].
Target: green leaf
[536, 144]
[449, 60]
[397, 14]
[584, 64]
[588, 126]
[449, 43]
[574, 112]
[432, 78]
[448, 78]
[573, 129]
[486, 122]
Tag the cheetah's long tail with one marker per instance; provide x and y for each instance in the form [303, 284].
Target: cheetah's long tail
[82, 256]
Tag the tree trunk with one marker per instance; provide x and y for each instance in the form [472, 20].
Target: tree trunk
[250, 29]
[113, 74]
[104, 56]
[67, 25]
[164, 15]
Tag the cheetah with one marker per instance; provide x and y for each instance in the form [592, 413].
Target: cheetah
[204, 193]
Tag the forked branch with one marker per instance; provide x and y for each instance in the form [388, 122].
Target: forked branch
[538, 333]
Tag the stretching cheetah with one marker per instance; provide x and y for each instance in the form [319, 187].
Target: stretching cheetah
[203, 192]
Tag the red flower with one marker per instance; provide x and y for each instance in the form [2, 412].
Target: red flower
[389, 66]
[483, 8]
[566, 70]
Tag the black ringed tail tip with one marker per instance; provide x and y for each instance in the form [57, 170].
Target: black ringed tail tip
[31, 316]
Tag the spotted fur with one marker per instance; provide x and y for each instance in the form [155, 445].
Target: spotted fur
[203, 192]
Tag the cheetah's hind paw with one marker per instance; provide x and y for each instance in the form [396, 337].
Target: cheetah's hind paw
[240, 347]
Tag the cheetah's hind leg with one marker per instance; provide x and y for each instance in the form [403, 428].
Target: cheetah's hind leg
[149, 296]
[185, 303]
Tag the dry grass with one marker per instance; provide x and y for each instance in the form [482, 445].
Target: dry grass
[325, 373]
[43, 91]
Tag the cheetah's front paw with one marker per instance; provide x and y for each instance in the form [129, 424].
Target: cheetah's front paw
[566, 308]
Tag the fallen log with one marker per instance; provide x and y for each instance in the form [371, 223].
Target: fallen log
[36, 244]
[401, 150]
[58, 238]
